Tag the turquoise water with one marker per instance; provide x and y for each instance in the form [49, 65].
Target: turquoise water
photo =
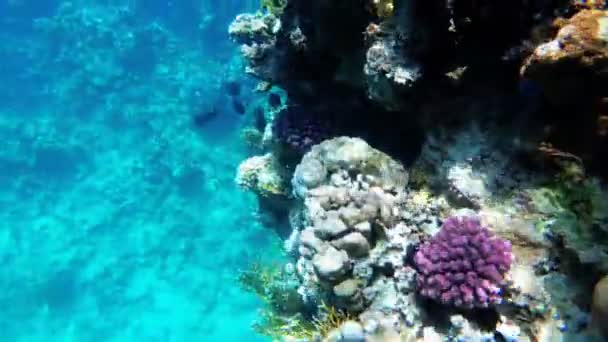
[119, 218]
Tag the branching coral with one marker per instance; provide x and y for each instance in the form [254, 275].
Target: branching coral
[463, 265]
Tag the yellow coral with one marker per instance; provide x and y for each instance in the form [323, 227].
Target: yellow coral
[421, 198]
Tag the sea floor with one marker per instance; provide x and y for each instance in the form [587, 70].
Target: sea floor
[122, 233]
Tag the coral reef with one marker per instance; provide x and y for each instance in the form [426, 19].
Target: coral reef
[435, 86]
[406, 57]
[356, 221]
[463, 265]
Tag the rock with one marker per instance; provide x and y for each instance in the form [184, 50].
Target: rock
[331, 264]
[599, 307]
[348, 295]
[364, 228]
[355, 244]
[309, 240]
[308, 175]
[347, 288]
[330, 228]
[352, 332]
[351, 215]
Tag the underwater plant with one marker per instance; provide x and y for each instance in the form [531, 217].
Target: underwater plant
[277, 288]
[463, 265]
[283, 313]
[574, 208]
[330, 318]
[278, 326]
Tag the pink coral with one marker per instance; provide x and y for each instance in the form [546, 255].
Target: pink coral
[463, 265]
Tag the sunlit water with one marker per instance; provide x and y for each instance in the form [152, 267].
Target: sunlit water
[120, 219]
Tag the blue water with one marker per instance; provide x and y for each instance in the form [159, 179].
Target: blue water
[120, 219]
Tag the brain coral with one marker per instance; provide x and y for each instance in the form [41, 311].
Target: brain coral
[463, 265]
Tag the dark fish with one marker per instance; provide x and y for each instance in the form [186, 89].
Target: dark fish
[233, 88]
[274, 100]
[203, 118]
[238, 106]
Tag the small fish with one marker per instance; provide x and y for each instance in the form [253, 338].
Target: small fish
[238, 106]
[233, 88]
[203, 118]
[274, 100]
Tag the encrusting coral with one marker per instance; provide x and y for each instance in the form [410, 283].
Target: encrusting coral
[463, 265]
[262, 175]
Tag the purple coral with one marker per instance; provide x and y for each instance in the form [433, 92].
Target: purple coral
[299, 129]
[463, 265]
